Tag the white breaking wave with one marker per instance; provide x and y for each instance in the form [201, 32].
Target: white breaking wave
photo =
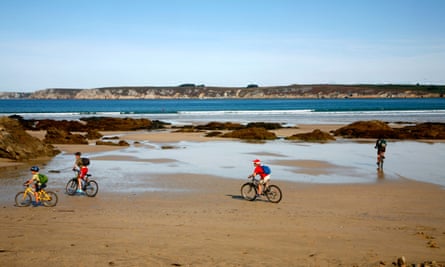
[246, 112]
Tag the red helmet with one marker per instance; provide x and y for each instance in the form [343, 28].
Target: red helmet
[257, 161]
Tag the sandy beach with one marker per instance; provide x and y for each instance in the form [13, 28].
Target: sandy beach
[173, 199]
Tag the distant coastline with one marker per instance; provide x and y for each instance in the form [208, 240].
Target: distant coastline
[192, 91]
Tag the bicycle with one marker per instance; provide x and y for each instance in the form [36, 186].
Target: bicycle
[89, 186]
[249, 191]
[24, 198]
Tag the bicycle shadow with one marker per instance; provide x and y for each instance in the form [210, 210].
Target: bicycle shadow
[239, 197]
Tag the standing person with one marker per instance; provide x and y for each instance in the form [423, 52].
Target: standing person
[39, 182]
[380, 145]
[264, 177]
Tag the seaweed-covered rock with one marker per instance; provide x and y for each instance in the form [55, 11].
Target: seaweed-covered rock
[69, 126]
[17, 144]
[60, 136]
[265, 125]
[422, 131]
[117, 124]
[109, 143]
[366, 129]
[315, 136]
[213, 134]
[220, 126]
[93, 134]
[251, 134]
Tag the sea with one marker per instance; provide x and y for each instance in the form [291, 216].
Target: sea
[186, 111]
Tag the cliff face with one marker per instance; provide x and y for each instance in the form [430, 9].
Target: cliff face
[291, 91]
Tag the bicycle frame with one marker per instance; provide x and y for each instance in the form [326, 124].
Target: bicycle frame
[42, 194]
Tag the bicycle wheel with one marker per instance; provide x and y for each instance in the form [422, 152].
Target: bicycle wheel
[71, 187]
[91, 188]
[22, 199]
[273, 194]
[49, 199]
[248, 191]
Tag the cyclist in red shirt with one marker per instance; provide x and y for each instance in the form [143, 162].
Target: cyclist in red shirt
[264, 178]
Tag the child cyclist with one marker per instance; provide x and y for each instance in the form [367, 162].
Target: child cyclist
[81, 169]
[38, 183]
[264, 177]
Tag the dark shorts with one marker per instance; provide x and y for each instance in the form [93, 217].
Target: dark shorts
[40, 187]
[381, 150]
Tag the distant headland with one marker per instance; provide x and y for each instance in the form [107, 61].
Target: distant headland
[192, 91]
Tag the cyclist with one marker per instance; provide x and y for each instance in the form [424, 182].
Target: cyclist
[380, 145]
[38, 185]
[264, 178]
[81, 169]
[78, 162]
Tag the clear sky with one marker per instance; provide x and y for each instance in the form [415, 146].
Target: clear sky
[88, 44]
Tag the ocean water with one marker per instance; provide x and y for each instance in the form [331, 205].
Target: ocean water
[286, 111]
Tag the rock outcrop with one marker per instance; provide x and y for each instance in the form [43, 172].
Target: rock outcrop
[315, 136]
[366, 129]
[117, 124]
[17, 144]
[60, 136]
[376, 129]
[251, 134]
[422, 131]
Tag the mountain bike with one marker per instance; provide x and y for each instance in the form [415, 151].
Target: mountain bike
[24, 198]
[249, 191]
[89, 186]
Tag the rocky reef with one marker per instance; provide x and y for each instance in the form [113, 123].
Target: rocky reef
[315, 136]
[17, 144]
[376, 129]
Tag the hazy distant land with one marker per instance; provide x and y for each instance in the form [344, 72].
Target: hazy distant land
[251, 91]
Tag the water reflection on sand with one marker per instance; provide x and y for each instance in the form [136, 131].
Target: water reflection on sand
[130, 169]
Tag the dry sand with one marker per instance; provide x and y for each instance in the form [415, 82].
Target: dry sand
[209, 224]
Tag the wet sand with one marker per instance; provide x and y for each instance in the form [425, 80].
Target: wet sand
[190, 219]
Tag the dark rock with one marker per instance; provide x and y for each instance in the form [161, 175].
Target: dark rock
[17, 144]
[366, 129]
[213, 134]
[422, 131]
[251, 134]
[60, 136]
[314, 136]
[117, 124]
[106, 143]
[69, 126]
[93, 134]
[220, 126]
[265, 125]
[157, 124]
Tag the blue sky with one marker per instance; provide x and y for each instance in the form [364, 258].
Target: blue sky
[88, 44]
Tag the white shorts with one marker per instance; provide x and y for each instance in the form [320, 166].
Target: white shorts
[265, 179]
